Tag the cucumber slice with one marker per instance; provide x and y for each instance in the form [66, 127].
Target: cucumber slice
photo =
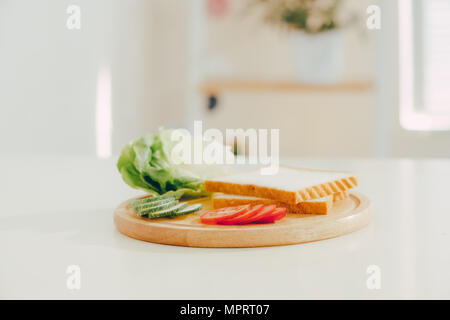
[174, 195]
[167, 212]
[145, 200]
[190, 209]
[163, 206]
[146, 205]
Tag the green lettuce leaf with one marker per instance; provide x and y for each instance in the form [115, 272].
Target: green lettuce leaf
[145, 164]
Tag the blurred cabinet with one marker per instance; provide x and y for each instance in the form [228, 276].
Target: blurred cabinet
[337, 124]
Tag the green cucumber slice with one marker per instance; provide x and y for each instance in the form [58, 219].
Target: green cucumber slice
[147, 205]
[163, 206]
[175, 195]
[190, 209]
[167, 212]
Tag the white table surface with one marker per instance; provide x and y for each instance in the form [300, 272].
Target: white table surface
[58, 211]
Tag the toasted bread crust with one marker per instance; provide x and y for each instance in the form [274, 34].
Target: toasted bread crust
[302, 207]
[306, 207]
[340, 196]
[251, 190]
[290, 197]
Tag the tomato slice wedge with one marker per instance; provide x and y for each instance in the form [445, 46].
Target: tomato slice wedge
[277, 214]
[214, 216]
[240, 219]
[266, 211]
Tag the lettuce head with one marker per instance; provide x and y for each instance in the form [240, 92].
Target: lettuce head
[148, 163]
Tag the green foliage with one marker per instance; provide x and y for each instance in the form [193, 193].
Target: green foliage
[146, 164]
[311, 16]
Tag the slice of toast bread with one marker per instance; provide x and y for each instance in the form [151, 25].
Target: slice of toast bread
[315, 206]
[340, 195]
[289, 185]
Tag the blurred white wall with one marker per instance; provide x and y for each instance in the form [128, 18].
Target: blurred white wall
[150, 56]
[49, 75]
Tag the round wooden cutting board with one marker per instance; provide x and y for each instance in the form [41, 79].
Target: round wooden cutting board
[346, 216]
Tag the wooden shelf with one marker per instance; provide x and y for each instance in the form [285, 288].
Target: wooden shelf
[215, 87]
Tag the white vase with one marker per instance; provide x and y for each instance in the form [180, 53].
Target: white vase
[318, 58]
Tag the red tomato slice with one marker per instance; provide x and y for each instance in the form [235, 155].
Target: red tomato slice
[240, 219]
[214, 216]
[266, 211]
[277, 214]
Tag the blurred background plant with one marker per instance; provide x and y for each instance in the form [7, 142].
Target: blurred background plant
[317, 41]
[310, 16]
